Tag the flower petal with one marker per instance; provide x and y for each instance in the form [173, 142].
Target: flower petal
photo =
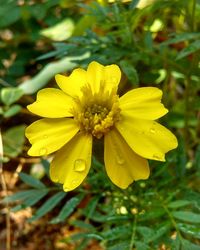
[123, 166]
[72, 84]
[48, 135]
[144, 103]
[147, 138]
[52, 103]
[98, 74]
[71, 164]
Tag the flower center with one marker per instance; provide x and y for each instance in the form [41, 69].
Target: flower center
[97, 113]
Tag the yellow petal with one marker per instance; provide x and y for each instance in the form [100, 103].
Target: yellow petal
[144, 103]
[48, 135]
[52, 103]
[123, 166]
[72, 162]
[72, 84]
[147, 138]
[99, 75]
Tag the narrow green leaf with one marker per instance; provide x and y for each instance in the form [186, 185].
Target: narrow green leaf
[187, 245]
[187, 216]
[68, 208]
[191, 230]
[181, 38]
[130, 72]
[178, 203]
[32, 200]
[19, 196]
[193, 47]
[31, 181]
[48, 205]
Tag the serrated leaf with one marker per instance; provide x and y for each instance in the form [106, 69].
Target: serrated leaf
[10, 95]
[31, 181]
[192, 48]
[187, 216]
[48, 205]
[178, 203]
[68, 208]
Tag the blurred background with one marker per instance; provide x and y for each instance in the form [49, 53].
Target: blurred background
[155, 43]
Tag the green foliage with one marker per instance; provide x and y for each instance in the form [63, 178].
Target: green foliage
[162, 211]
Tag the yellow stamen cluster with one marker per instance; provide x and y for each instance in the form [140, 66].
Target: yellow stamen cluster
[97, 115]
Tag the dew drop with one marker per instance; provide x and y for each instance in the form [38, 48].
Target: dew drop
[157, 157]
[120, 160]
[66, 189]
[79, 165]
[113, 79]
[75, 183]
[152, 130]
[43, 151]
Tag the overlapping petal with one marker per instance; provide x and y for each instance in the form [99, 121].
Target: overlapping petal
[52, 103]
[72, 84]
[144, 103]
[71, 163]
[98, 74]
[123, 166]
[48, 135]
[147, 138]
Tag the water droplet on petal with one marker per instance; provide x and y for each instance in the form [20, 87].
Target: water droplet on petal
[120, 160]
[74, 183]
[157, 157]
[66, 189]
[152, 130]
[45, 136]
[43, 151]
[79, 165]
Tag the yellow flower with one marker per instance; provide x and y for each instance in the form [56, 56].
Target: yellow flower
[87, 106]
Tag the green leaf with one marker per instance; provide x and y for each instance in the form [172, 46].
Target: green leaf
[48, 205]
[13, 140]
[178, 203]
[192, 47]
[187, 216]
[141, 246]
[181, 38]
[130, 72]
[191, 230]
[9, 12]
[10, 95]
[68, 208]
[153, 214]
[31, 200]
[28, 179]
[22, 195]
[187, 245]
[13, 110]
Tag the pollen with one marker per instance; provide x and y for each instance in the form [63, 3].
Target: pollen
[97, 114]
